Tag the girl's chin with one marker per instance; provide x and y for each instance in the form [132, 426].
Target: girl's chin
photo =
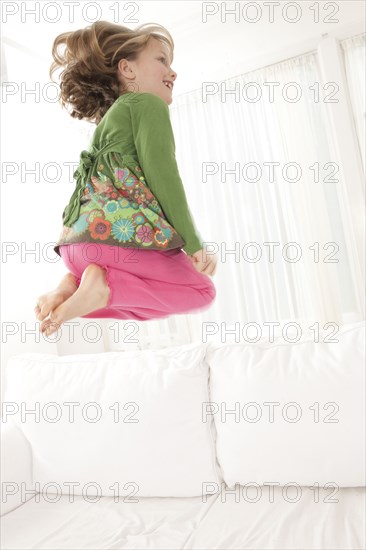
[166, 97]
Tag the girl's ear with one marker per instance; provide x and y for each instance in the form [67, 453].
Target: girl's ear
[124, 67]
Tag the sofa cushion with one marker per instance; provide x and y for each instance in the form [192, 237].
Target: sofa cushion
[125, 423]
[16, 468]
[298, 409]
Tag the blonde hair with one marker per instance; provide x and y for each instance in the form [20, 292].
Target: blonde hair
[89, 82]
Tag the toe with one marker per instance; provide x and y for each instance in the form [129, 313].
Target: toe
[44, 325]
[50, 325]
[44, 309]
[42, 315]
[51, 329]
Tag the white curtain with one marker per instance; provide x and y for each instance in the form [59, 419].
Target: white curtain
[355, 62]
[300, 210]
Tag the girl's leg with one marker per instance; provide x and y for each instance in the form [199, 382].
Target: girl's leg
[144, 284]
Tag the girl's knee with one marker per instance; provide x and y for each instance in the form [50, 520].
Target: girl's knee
[209, 293]
[213, 293]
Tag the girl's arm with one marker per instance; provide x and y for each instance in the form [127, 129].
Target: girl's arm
[155, 146]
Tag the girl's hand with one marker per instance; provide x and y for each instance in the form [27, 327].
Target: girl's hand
[203, 262]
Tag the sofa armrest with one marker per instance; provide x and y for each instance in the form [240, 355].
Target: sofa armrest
[16, 468]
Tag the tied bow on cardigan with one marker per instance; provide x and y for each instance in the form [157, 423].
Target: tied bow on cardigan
[72, 210]
[87, 161]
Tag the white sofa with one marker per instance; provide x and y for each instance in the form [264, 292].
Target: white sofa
[246, 446]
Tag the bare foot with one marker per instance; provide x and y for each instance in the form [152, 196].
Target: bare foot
[49, 301]
[92, 294]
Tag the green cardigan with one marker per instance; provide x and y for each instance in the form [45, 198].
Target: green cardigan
[129, 192]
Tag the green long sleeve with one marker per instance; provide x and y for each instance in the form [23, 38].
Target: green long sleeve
[155, 147]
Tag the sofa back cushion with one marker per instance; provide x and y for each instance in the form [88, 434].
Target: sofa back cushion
[291, 412]
[116, 423]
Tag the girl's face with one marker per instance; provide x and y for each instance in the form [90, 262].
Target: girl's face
[149, 71]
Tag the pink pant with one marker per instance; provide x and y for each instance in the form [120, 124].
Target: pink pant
[144, 284]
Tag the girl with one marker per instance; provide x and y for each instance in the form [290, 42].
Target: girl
[128, 238]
